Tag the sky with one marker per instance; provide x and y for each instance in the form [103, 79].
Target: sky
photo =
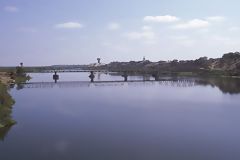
[52, 32]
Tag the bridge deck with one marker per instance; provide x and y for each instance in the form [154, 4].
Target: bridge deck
[61, 71]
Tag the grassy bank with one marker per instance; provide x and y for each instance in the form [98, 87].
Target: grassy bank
[6, 103]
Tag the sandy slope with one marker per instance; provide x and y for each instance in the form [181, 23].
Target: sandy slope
[5, 78]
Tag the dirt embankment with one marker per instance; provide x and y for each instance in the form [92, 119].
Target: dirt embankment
[5, 78]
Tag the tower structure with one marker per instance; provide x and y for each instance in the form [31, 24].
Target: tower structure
[99, 60]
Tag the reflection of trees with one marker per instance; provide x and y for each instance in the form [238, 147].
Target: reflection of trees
[6, 103]
[21, 77]
[4, 131]
[226, 85]
[20, 80]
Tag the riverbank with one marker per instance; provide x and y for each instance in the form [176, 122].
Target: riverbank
[6, 79]
[6, 100]
[6, 103]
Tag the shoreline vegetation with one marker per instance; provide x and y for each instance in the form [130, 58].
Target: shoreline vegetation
[6, 103]
[226, 66]
[8, 79]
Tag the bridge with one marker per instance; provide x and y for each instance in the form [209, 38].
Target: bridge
[125, 81]
[73, 84]
[125, 74]
[70, 70]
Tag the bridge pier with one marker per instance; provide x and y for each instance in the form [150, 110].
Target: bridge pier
[55, 77]
[125, 76]
[91, 76]
[156, 76]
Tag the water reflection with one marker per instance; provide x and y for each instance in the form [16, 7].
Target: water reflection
[92, 76]
[6, 103]
[20, 81]
[99, 76]
[3, 132]
[226, 85]
[165, 119]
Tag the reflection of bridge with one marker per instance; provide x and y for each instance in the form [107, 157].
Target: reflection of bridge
[72, 84]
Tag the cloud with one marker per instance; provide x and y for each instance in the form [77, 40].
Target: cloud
[11, 9]
[114, 26]
[179, 37]
[234, 29]
[69, 25]
[193, 24]
[146, 36]
[216, 19]
[141, 35]
[161, 19]
[146, 28]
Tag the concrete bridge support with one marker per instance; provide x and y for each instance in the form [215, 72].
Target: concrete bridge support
[125, 76]
[92, 76]
[156, 76]
[55, 77]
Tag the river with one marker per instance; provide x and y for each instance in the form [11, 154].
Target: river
[174, 119]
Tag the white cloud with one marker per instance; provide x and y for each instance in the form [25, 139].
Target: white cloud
[161, 19]
[11, 9]
[69, 25]
[234, 29]
[114, 26]
[141, 35]
[193, 24]
[146, 28]
[179, 37]
[204, 31]
[216, 19]
[146, 36]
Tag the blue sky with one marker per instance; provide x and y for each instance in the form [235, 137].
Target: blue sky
[45, 32]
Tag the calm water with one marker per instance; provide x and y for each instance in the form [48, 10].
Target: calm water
[182, 120]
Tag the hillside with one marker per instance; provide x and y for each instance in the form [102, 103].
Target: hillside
[228, 64]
